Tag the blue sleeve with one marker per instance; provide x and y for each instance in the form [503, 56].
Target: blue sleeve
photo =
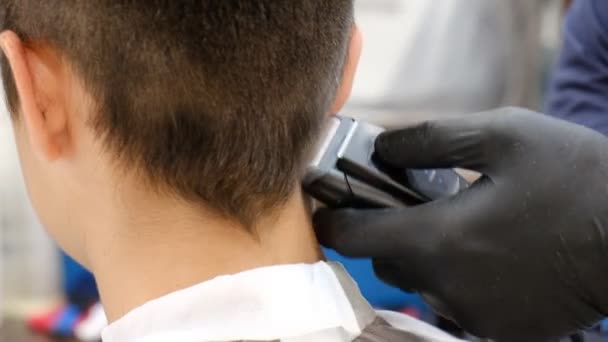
[578, 91]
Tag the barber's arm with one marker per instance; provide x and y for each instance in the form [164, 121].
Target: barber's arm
[578, 89]
[522, 255]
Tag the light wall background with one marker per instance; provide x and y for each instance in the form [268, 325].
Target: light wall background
[28, 259]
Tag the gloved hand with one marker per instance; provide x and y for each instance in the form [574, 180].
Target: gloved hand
[522, 255]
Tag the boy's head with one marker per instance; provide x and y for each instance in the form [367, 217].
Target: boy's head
[212, 102]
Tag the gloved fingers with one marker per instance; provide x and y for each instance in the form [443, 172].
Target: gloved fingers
[402, 274]
[384, 233]
[475, 142]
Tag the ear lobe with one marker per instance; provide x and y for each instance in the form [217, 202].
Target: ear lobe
[30, 76]
[350, 70]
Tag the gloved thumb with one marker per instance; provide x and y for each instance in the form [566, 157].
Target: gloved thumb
[413, 234]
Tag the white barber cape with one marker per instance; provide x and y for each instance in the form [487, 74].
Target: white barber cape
[291, 303]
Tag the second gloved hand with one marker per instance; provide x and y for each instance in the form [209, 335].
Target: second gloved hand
[522, 255]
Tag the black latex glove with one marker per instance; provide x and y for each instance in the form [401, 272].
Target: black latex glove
[522, 255]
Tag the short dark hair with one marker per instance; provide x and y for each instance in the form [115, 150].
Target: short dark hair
[214, 100]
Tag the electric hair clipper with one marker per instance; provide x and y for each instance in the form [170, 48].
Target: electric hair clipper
[345, 173]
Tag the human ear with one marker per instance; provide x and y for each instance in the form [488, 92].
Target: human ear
[39, 79]
[350, 69]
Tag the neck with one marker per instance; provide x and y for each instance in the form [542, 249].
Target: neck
[153, 248]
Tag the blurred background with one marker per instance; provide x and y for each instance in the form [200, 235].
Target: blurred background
[422, 59]
[434, 58]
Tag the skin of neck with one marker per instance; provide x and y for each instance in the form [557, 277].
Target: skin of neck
[142, 246]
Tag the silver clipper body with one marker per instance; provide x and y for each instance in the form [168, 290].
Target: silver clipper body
[345, 174]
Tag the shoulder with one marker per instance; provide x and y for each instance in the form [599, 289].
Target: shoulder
[588, 15]
[600, 8]
[586, 36]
